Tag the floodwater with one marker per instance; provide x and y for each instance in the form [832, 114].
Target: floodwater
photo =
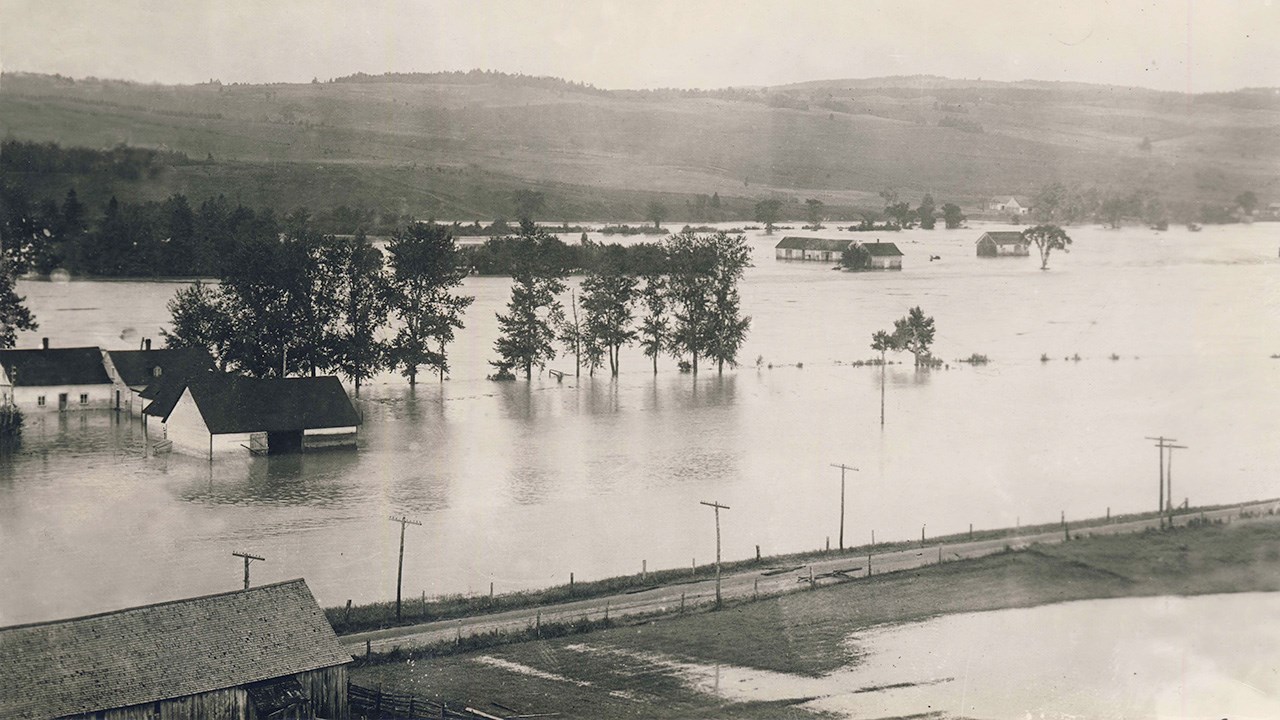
[520, 484]
[1208, 656]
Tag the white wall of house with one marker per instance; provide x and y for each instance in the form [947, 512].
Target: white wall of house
[95, 397]
[186, 429]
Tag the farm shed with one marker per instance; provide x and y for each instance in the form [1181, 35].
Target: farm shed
[1009, 243]
[266, 652]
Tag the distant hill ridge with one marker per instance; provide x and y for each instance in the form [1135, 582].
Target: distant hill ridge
[455, 144]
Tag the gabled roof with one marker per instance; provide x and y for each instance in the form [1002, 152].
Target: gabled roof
[811, 243]
[138, 367]
[882, 249]
[234, 404]
[56, 366]
[1004, 237]
[163, 651]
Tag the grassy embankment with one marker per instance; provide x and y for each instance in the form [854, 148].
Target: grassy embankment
[376, 616]
[803, 633]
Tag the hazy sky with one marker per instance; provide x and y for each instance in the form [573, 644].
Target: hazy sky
[1194, 45]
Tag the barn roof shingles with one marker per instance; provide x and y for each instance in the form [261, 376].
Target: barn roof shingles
[1004, 237]
[55, 366]
[168, 650]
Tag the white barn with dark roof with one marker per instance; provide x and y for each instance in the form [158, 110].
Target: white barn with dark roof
[265, 652]
[217, 413]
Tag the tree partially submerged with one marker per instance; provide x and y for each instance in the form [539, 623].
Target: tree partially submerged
[528, 329]
[914, 333]
[768, 212]
[1047, 238]
[426, 270]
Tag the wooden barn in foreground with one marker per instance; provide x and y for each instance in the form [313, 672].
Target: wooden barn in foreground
[263, 653]
[1003, 243]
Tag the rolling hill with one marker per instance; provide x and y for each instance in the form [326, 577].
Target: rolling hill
[454, 145]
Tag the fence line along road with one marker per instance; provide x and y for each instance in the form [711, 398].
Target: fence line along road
[671, 599]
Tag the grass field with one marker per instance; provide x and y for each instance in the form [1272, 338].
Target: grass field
[642, 671]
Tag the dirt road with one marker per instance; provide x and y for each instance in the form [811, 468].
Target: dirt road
[746, 584]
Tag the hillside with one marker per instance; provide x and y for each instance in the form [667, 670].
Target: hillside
[455, 144]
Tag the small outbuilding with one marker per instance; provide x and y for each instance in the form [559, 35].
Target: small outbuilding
[1009, 243]
[265, 652]
[882, 255]
[133, 371]
[216, 413]
[811, 249]
[62, 379]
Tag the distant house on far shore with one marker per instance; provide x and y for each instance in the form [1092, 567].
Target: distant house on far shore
[61, 379]
[1008, 205]
[1003, 243]
[133, 371]
[264, 652]
[215, 413]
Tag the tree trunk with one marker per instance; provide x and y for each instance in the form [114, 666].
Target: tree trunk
[413, 375]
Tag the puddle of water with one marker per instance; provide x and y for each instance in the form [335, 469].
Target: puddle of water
[522, 669]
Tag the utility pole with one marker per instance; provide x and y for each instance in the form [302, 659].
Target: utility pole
[1160, 443]
[718, 507]
[400, 570]
[842, 467]
[1168, 479]
[247, 557]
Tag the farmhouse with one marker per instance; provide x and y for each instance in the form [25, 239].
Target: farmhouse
[216, 413]
[266, 652]
[811, 249]
[60, 379]
[882, 256]
[1010, 205]
[133, 371]
[1002, 244]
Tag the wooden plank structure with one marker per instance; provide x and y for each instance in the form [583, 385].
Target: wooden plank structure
[266, 652]
[377, 704]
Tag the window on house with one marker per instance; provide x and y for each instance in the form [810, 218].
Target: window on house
[40, 401]
[84, 398]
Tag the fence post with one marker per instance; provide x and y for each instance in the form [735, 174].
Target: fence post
[606, 611]
[757, 553]
[939, 554]
[828, 543]
[411, 699]
[681, 603]
[755, 594]
[347, 618]
[368, 648]
[812, 584]
[539, 623]
[868, 563]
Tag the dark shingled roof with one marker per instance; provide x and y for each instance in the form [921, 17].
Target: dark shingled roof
[810, 243]
[56, 366]
[163, 651]
[234, 404]
[1004, 237]
[882, 249]
[138, 367]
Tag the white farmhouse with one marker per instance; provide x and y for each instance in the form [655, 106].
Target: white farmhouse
[62, 379]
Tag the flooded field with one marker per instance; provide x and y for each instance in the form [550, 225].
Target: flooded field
[1133, 658]
[519, 485]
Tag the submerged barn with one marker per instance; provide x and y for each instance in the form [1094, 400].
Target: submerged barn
[216, 413]
[811, 249]
[60, 379]
[266, 652]
[883, 255]
[1005, 243]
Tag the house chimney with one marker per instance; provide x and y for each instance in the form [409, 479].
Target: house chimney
[146, 344]
[44, 343]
